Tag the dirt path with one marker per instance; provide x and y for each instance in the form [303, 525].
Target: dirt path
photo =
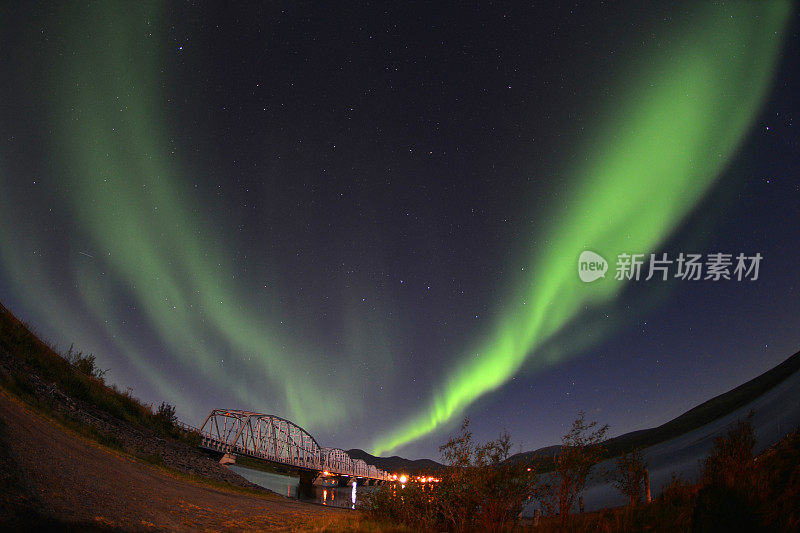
[49, 474]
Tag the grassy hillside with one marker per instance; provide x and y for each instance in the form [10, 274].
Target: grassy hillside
[69, 389]
[33, 371]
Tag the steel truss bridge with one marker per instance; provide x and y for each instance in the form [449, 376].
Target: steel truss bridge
[280, 441]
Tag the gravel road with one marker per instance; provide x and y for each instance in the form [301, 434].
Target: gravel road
[50, 476]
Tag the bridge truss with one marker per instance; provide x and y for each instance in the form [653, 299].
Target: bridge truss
[278, 440]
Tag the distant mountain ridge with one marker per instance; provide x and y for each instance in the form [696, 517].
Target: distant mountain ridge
[397, 464]
[692, 419]
[698, 416]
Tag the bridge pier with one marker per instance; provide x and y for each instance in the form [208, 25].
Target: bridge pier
[307, 478]
[228, 459]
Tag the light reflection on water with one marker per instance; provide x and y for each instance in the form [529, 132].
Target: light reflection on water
[775, 414]
[333, 496]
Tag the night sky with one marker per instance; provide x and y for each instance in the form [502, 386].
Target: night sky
[367, 217]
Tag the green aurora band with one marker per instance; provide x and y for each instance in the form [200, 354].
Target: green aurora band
[671, 130]
[151, 245]
[684, 112]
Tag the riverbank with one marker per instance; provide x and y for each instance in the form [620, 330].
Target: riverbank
[76, 453]
[54, 476]
[78, 398]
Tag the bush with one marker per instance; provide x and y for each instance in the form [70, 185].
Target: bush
[778, 478]
[77, 386]
[85, 364]
[413, 505]
[581, 449]
[480, 488]
[677, 492]
[165, 416]
[730, 463]
[724, 508]
[629, 476]
[727, 500]
[76, 374]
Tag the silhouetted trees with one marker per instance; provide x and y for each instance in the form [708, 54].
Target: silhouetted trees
[166, 415]
[727, 500]
[629, 475]
[482, 489]
[581, 449]
[479, 488]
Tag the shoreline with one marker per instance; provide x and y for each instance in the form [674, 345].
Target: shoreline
[56, 476]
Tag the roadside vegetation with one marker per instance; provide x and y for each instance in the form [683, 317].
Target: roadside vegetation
[75, 375]
[481, 490]
[478, 489]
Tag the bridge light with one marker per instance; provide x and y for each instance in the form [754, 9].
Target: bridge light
[403, 479]
[326, 473]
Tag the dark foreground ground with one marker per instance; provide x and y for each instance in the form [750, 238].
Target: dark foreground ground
[50, 476]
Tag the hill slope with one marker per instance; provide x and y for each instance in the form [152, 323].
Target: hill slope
[692, 419]
[397, 464]
[696, 417]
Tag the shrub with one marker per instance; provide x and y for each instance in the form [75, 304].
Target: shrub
[85, 364]
[778, 477]
[165, 416]
[677, 492]
[581, 449]
[480, 488]
[629, 475]
[727, 499]
[730, 463]
[77, 386]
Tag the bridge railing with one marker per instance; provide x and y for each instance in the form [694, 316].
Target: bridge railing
[186, 427]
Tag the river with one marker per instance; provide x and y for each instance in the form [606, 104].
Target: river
[776, 413]
[333, 496]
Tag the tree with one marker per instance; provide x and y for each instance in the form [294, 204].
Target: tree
[457, 493]
[166, 415]
[504, 484]
[629, 476]
[581, 449]
[727, 500]
[480, 488]
[731, 461]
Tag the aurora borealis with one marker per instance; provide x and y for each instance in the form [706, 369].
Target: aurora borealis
[368, 222]
[672, 116]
